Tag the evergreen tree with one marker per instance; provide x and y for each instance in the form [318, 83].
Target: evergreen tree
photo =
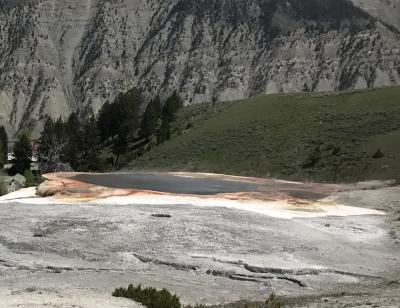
[119, 121]
[171, 107]
[2, 157]
[4, 143]
[164, 132]
[48, 152]
[89, 145]
[60, 132]
[46, 138]
[121, 142]
[127, 111]
[70, 152]
[106, 121]
[150, 118]
[22, 153]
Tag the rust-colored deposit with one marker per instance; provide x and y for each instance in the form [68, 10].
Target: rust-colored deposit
[291, 195]
[64, 186]
[275, 198]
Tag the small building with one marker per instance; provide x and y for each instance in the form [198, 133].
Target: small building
[10, 161]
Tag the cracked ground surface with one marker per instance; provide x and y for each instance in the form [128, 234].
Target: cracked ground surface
[61, 255]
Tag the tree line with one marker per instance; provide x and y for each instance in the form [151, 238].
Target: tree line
[80, 142]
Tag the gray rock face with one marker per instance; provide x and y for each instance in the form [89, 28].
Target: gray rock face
[57, 56]
[388, 11]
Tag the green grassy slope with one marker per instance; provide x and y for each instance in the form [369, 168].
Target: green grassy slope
[318, 137]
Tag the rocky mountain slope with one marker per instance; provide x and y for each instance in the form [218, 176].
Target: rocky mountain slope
[61, 55]
[387, 11]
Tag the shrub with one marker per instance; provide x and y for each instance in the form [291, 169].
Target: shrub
[30, 179]
[273, 302]
[150, 297]
[378, 154]
[3, 187]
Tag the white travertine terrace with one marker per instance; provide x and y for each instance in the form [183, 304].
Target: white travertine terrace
[278, 206]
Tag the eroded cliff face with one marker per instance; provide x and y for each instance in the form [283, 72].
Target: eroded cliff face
[387, 11]
[57, 56]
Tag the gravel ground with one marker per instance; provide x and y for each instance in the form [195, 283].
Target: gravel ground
[75, 255]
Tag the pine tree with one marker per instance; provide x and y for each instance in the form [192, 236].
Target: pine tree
[22, 153]
[60, 131]
[118, 122]
[150, 118]
[127, 111]
[106, 121]
[125, 118]
[121, 142]
[48, 152]
[70, 152]
[164, 132]
[2, 157]
[89, 145]
[46, 138]
[4, 143]
[171, 107]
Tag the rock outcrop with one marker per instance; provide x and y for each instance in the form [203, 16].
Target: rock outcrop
[57, 56]
[387, 11]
